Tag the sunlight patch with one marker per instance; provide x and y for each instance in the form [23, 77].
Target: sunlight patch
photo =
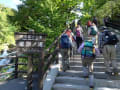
[17, 2]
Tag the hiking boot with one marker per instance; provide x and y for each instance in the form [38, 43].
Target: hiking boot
[115, 72]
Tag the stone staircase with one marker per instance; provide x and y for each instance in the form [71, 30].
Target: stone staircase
[73, 78]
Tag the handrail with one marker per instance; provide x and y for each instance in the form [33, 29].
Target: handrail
[48, 49]
[11, 56]
[50, 55]
[113, 25]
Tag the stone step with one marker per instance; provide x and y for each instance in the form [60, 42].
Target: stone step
[70, 87]
[98, 75]
[71, 80]
[80, 68]
[97, 59]
[79, 63]
[102, 59]
[105, 88]
[79, 56]
[107, 83]
[85, 82]
[96, 63]
[96, 68]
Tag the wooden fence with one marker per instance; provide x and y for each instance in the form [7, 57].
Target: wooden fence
[45, 59]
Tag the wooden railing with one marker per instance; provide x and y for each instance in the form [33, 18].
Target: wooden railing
[15, 64]
[48, 57]
[51, 56]
[113, 24]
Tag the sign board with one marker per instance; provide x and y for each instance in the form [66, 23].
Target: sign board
[29, 42]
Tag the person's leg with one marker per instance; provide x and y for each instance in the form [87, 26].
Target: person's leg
[106, 54]
[91, 81]
[68, 58]
[96, 41]
[80, 40]
[91, 76]
[77, 41]
[74, 48]
[63, 59]
[113, 60]
[85, 69]
[90, 66]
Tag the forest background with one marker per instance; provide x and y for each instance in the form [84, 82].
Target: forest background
[50, 16]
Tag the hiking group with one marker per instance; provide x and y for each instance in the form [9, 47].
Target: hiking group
[102, 41]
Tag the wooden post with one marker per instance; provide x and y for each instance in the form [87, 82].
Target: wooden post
[29, 73]
[16, 67]
[41, 71]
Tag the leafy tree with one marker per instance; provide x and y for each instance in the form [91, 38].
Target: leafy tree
[47, 16]
[6, 28]
[100, 9]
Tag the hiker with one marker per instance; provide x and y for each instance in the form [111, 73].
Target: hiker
[95, 21]
[93, 32]
[72, 39]
[65, 46]
[107, 44]
[79, 35]
[88, 53]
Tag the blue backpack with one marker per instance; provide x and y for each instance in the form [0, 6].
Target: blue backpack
[89, 50]
[65, 41]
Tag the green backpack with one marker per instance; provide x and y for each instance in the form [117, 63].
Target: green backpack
[93, 31]
[89, 50]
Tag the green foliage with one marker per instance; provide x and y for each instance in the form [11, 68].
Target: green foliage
[6, 28]
[45, 16]
[100, 9]
[109, 8]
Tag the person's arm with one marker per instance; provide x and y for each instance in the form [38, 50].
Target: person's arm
[80, 48]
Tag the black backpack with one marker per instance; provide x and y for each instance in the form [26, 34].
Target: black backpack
[110, 38]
